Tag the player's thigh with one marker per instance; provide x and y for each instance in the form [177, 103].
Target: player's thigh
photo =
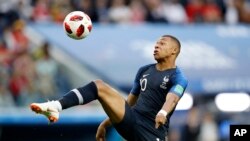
[112, 102]
[126, 128]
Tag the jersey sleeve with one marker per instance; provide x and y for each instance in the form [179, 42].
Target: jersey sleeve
[179, 85]
[136, 86]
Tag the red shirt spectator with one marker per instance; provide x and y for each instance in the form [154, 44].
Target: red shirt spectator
[195, 10]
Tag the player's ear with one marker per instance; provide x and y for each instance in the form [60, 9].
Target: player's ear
[175, 50]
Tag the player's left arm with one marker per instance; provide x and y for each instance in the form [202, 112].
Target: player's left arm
[168, 106]
[172, 99]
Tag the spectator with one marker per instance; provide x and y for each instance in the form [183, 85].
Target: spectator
[155, 10]
[212, 12]
[174, 135]
[6, 99]
[88, 6]
[191, 128]
[15, 38]
[24, 9]
[5, 54]
[243, 10]
[119, 12]
[175, 12]
[138, 11]
[47, 69]
[41, 11]
[231, 16]
[209, 130]
[22, 78]
[102, 11]
[59, 9]
[194, 9]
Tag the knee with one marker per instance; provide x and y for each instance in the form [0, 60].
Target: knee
[101, 85]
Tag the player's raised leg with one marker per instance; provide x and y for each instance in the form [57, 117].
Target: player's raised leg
[112, 102]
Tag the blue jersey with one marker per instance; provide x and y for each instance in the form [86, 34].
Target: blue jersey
[152, 87]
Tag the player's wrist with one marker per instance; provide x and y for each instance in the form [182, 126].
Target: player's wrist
[163, 112]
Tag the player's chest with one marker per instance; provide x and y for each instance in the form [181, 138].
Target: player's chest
[155, 81]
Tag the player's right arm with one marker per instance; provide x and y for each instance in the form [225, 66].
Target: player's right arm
[101, 131]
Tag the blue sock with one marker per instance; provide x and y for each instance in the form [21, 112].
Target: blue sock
[79, 96]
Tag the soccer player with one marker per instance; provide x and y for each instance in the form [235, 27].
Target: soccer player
[145, 115]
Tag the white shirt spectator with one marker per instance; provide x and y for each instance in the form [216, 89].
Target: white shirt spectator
[175, 12]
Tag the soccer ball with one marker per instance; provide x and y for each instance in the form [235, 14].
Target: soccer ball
[77, 25]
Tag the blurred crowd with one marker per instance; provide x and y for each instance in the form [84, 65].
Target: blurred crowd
[29, 73]
[134, 11]
[200, 125]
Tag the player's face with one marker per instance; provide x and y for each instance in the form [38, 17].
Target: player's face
[163, 48]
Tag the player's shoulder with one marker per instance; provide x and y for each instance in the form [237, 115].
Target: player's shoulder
[179, 75]
[146, 67]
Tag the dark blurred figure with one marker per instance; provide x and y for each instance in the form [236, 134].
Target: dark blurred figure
[155, 10]
[191, 129]
[87, 6]
[102, 11]
[174, 135]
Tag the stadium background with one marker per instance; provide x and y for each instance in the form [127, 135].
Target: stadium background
[38, 62]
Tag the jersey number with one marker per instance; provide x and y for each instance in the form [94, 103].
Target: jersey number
[143, 83]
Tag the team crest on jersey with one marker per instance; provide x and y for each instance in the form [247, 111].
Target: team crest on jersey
[164, 82]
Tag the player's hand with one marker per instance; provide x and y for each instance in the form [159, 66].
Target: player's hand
[160, 120]
[100, 133]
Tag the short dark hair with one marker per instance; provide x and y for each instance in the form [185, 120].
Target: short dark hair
[176, 41]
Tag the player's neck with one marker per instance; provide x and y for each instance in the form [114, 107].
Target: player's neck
[161, 66]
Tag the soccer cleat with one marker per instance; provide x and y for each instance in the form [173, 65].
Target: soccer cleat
[48, 109]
